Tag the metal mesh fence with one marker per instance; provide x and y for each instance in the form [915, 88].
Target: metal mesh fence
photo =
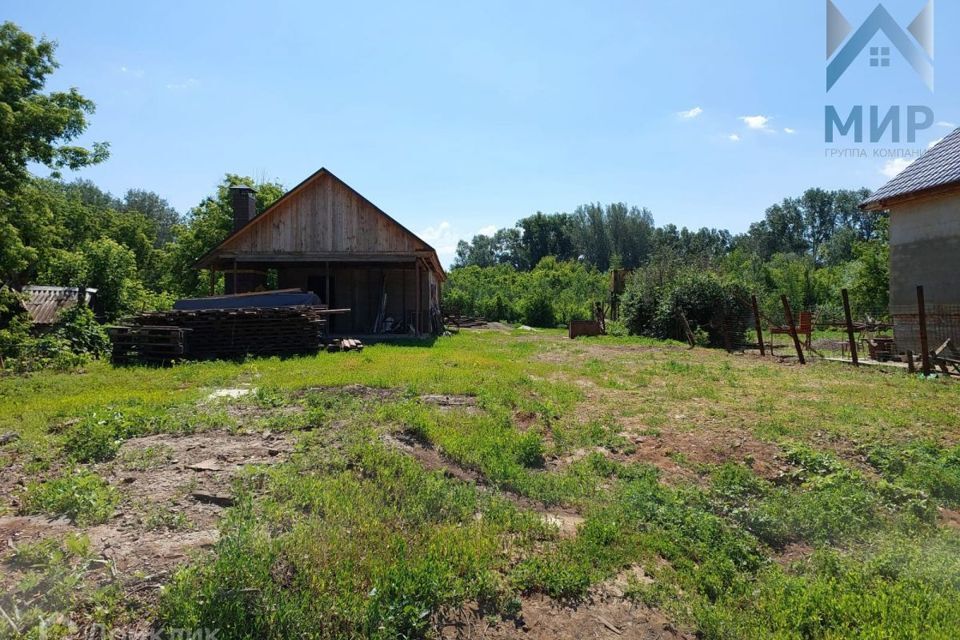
[899, 335]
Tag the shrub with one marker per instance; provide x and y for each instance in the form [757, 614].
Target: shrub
[47, 352]
[528, 449]
[711, 308]
[719, 311]
[538, 311]
[14, 323]
[639, 304]
[82, 496]
[97, 437]
[78, 327]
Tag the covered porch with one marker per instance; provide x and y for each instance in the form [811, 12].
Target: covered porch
[395, 296]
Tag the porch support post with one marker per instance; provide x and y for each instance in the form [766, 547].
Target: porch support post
[416, 263]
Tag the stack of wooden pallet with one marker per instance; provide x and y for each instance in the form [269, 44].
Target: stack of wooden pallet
[226, 333]
[147, 343]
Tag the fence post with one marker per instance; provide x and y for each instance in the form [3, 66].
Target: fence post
[793, 328]
[922, 317]
[849, 318]
[756, 321]
[686, 329]
[910, 367]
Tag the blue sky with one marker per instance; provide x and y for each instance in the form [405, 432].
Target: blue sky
[462, 117]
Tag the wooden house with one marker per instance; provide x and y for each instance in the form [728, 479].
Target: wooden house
[323, 236]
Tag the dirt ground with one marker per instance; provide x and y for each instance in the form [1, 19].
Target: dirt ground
[605, 613]
[168, 511]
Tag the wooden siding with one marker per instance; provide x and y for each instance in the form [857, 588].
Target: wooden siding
[325, 217]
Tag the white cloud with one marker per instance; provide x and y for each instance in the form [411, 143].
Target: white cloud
[442, 238]
[934, 143]
[691, 114]
[136, 73]
[892, 168]
[789, 130]
[733, 137]
[189, 83]
[760, 123]
[488, 230]
[947, 125]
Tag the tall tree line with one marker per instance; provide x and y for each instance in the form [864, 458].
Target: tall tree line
[824, 225]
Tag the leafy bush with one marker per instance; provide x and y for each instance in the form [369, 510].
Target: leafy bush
[538, 311]
[80, 495]
[716, 312]
[47, 352]
[97, 437]
[80, 329]
[639, 304]
[528, 449]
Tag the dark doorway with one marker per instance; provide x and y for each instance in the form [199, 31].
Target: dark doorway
[318, 285]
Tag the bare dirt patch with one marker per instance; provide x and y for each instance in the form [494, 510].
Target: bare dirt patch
[950, 518]
[566, 521]
[448, 402]
[165, 516]
[677, 453]
[604, 613]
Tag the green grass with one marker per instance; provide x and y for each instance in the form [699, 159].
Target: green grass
[353, 538]
[80, 495]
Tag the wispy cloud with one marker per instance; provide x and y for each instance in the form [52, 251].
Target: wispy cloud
[760, 123]
[733, 137]
[442, 237]
[947, 125]
[934, 143]
[189, 83]
[892, 168]
[488, 230]
[136, 73]
[696, 112]
[789, 131]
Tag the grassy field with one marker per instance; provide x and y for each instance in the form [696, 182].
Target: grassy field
[614, 486]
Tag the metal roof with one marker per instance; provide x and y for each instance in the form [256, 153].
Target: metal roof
[936, 169]
[45, 303]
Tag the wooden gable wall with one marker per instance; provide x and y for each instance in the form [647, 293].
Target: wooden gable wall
[325, 216]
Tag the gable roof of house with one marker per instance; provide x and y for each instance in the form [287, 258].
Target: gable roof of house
[203, 260]
[937, 171]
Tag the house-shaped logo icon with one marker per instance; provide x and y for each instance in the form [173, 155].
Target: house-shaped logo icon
[915, 43]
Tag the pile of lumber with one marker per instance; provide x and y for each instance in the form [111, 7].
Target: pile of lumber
[147, 343]
[344, 344]
[464, 322]
[230, 333]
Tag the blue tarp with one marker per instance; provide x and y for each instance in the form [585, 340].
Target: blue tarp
[266, 299]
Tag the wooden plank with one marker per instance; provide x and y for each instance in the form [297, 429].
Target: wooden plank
[756, 320]
[922, 319]
[848, 318]
[793, 329]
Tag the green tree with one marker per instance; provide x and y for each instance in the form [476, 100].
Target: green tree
[36, 126]
[205, 227]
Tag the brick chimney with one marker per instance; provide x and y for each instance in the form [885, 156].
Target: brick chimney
[244, 202]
